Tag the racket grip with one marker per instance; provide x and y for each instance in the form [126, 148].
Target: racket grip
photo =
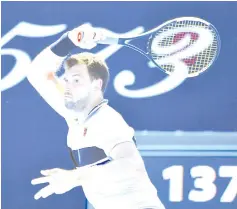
[109, 40]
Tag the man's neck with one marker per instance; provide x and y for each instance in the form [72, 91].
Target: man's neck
[92, 103]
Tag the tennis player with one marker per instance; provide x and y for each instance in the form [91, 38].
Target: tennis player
[118, 178]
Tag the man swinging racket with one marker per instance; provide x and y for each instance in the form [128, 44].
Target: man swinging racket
[116, 180]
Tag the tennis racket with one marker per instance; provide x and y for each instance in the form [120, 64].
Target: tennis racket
[188, 43]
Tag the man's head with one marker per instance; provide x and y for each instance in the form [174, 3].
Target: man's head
[86, 78]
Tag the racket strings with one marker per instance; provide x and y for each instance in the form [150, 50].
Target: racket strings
[196, 63]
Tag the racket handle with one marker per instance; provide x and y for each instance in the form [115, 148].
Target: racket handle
[109, 40]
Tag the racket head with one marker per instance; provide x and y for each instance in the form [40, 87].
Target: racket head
[191, 41]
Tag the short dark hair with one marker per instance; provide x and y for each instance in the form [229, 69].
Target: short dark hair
[97, 67]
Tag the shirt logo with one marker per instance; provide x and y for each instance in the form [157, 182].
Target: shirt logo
[85, 132]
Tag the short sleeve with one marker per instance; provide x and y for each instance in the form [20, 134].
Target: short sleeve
[121, 133]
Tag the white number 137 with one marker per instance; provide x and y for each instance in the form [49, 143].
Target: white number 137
[204, 183]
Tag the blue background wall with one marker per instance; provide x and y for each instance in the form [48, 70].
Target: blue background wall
[33, 135]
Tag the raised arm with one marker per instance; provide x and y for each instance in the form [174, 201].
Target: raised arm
[42, 70]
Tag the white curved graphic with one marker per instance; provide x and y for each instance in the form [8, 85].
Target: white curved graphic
[32, 31]
[19, 71]
[126, 78]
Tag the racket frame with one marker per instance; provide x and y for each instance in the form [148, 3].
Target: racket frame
[124, 40]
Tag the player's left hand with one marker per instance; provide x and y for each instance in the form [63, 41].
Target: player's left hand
[86, 36]
[60, 181]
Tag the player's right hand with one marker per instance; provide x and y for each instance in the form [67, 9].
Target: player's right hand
[85, 36]
[59, 181]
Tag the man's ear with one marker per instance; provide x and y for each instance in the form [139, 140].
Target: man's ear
[97, 83]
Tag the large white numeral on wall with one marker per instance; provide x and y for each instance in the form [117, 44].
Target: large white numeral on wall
[22, 59]
[175, 174]
[205, 189]
[231, 190]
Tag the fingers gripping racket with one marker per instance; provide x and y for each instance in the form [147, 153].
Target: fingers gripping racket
[187, 42]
